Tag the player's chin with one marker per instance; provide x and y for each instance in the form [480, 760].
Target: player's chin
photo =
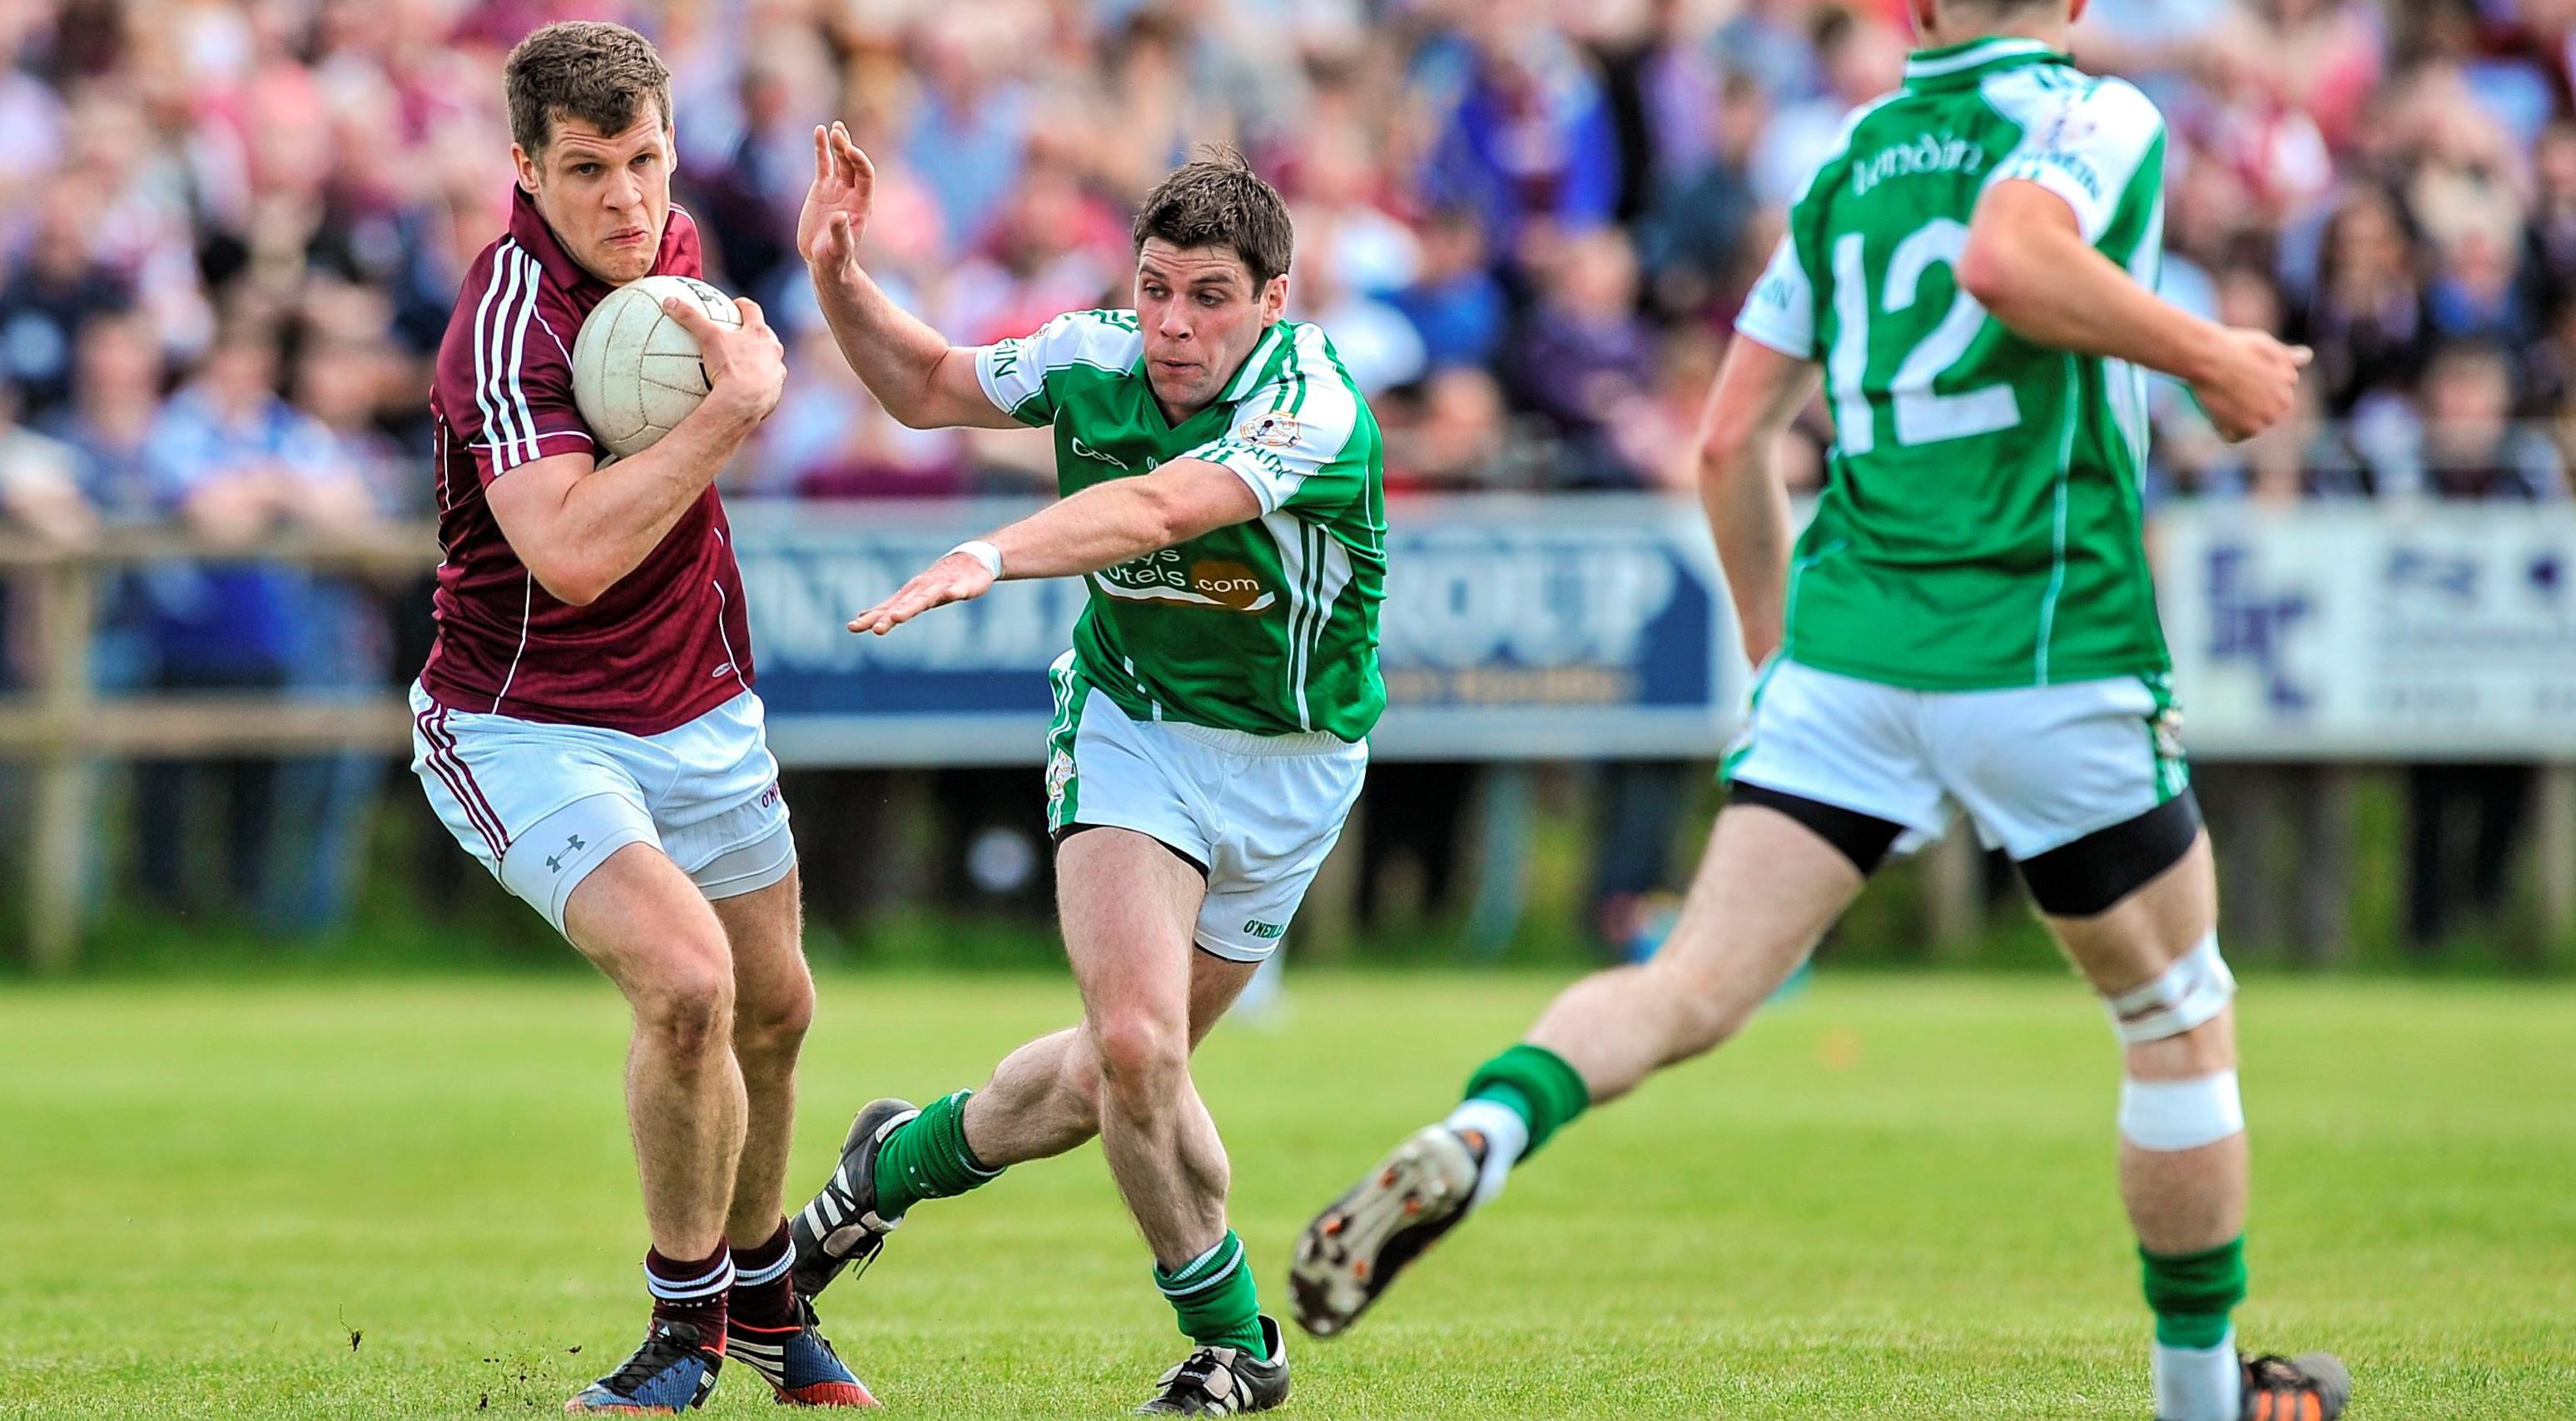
[622, 262]
[1180, 388]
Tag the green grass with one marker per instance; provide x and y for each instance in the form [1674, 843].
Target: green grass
[1893, 1198]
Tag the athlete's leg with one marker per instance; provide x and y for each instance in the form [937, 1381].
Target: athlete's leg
[1129, 905]
[1775, 876]
[1767, 888]
[773, 1007]
[2183, 1166]
[1044, 1099]
[641, 921]
[2182, 1201]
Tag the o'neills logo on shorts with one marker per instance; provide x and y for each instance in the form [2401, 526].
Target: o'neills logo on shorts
[1208, 582]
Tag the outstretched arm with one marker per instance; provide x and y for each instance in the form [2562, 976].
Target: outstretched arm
[2029, 265]
[1756, 396]
[920, 378]
[1102, 526]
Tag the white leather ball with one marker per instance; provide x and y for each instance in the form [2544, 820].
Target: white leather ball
[635, 371]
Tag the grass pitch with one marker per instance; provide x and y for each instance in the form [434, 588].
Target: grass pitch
[1893, 1198]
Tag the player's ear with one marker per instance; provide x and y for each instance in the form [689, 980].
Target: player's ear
[1274, 298]
[2075, 12]
[526, 169]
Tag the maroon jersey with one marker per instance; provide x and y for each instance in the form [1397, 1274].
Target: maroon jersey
[665, 645]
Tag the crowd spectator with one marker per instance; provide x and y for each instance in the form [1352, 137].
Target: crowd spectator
[234, 461]
[39, 482]
[53, 292]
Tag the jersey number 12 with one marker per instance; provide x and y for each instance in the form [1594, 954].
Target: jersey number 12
[1922, 417]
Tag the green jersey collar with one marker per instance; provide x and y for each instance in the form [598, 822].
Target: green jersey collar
[1961, 66]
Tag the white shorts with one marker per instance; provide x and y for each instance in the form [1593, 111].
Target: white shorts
[1257, 813]
[542, 805]
[2037, 768]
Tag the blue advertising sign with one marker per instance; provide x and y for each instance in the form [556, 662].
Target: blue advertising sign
[2404, 632]
[1564, 627]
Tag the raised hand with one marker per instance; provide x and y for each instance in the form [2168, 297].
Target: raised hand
[745, 363]
[958, 577]
[837, 205]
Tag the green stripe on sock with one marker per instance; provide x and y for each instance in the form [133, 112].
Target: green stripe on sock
[928, 1158]
[2193, 1293]
[1536, 1084]
[1214, 1299]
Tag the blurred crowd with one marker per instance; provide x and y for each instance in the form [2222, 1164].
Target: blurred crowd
[231, 230]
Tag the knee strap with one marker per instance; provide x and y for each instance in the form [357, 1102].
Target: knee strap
[2192, 991]
[2171, 1116]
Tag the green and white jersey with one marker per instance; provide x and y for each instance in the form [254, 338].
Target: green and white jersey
[1270, 626]
[1980, 523]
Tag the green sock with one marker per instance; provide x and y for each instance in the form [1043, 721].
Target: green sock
[1213, 1296]
[1536, 1084]
[927, 1158]
[2193, 1293]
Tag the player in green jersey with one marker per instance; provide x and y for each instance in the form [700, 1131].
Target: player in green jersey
[1223, 493]
[1968, 621]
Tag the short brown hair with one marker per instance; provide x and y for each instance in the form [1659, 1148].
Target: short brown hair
[1219, 201]
[585, 69]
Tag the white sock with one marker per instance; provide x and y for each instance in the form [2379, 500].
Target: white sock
[1506, 1136]
[2196, 1384]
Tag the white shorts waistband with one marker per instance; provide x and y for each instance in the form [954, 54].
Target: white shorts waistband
[1244, 742]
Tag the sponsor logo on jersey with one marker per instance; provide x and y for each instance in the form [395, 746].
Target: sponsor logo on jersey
[1273, 431]
[1086, 451]
[1165, 576]
[1924, 155]
[1253, 927]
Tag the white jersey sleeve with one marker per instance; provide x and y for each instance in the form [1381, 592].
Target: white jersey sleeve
[1781, 312]
[2088, 147]
[1015, 373]
[1301, 439]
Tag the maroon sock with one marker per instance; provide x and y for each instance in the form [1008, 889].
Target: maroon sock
[764, 1293]
[692, 1290]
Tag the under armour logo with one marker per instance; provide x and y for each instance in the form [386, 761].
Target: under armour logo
[554, 861]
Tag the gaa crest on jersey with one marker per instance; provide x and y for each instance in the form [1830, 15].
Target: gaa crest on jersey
[1059, 774]
[1273, 431]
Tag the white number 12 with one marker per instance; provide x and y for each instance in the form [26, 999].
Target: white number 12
[1922, 417]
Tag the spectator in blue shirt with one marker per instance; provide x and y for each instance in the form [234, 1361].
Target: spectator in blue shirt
[1454, 300]
[235, 462]
[54, 291]
[1529, 137]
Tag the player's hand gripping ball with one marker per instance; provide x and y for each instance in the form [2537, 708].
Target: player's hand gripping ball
[636, 372]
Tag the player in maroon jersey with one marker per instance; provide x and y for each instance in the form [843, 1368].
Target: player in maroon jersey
[586, 725]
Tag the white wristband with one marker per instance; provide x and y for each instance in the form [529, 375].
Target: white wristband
[982, 552]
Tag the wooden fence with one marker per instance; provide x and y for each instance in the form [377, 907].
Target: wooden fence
[63, 727]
